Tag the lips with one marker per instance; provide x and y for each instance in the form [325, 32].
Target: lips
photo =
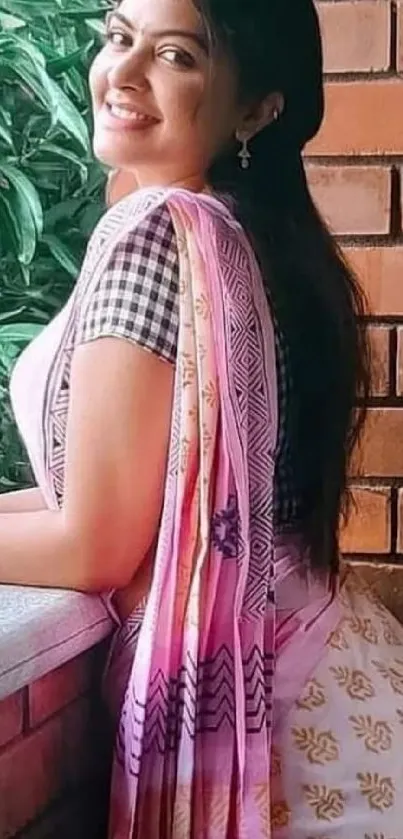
[127, 109]
[118, 117]
[122, 112]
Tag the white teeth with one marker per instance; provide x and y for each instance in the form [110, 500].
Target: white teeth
[124, 113]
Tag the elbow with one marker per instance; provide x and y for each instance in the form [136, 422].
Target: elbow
[96, 578]
[102, 557]
[99, 570]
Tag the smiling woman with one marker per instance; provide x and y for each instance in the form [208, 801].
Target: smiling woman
[190, 416]
[153, 91]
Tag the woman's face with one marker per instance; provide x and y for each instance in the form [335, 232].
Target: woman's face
[163, 107]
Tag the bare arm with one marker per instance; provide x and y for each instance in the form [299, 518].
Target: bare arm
[117, 444]
[22, 501]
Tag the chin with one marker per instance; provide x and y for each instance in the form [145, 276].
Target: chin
[104, 151]
[111, 156]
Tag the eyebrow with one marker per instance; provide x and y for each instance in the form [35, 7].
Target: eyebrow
[198, 39]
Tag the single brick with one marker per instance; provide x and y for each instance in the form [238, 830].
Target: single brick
[380, 343]
[368, 528]
[399, 371]
[381, 273]
[361, 118]
[400, 37]
[11, 717]
[401, 197]
[36, 769]
[55, 690]
[356, 36]
[400, 524]
[381, 451]
[353, 199]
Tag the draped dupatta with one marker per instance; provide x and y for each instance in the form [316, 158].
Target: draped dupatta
[192, 757]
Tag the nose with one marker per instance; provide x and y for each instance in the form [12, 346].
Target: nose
[129, 70]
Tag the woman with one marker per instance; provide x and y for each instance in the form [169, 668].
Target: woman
[191, 425]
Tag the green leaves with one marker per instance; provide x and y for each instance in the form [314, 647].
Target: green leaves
[51, 150]
[26, 8]
[86, 14]
[64, 256]
[5, 131]
[59, 64]
[19, 333]
[51, 190]
[11, 21]
[26, 191]
[22, 62]
[68, 117]
[19, 198]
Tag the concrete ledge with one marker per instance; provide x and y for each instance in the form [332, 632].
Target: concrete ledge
[40, 630]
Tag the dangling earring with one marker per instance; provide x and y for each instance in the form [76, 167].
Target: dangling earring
[276, 115]
[244, 155]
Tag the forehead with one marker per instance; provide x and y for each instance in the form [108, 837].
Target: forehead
[162, 14]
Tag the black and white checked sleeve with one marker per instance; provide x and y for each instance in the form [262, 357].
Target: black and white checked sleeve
[137, 296]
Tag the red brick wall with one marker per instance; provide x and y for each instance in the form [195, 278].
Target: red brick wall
[54, 758]
[354, 168]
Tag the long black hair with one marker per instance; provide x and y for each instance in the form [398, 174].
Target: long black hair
[317, 301]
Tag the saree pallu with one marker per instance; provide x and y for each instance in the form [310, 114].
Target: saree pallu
[193, 745]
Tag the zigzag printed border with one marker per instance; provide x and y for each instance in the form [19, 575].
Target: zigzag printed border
[201, 699]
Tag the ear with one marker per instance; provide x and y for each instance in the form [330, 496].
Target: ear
[260, 116]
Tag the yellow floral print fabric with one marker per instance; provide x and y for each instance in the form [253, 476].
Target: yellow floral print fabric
[337, 763]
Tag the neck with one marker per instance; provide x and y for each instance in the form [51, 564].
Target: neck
[122, 182]
[194, 182]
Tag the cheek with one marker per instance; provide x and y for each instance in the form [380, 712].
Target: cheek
[211, 109]
[182, 99]
[223, 103]
[216, 121]
[98, 79]
[200, 118]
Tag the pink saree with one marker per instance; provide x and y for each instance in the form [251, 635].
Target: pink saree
[193, 746]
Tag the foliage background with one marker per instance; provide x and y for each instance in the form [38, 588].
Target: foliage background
[51, 189]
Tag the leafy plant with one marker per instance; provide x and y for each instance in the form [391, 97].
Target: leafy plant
[51, 189]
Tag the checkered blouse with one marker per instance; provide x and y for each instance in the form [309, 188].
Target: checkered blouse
[137, 299]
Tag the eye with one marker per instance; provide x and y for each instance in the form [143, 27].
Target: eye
[178, 57]
[117, 38]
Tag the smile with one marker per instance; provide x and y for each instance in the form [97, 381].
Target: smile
[121, 112]
[117, 117]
